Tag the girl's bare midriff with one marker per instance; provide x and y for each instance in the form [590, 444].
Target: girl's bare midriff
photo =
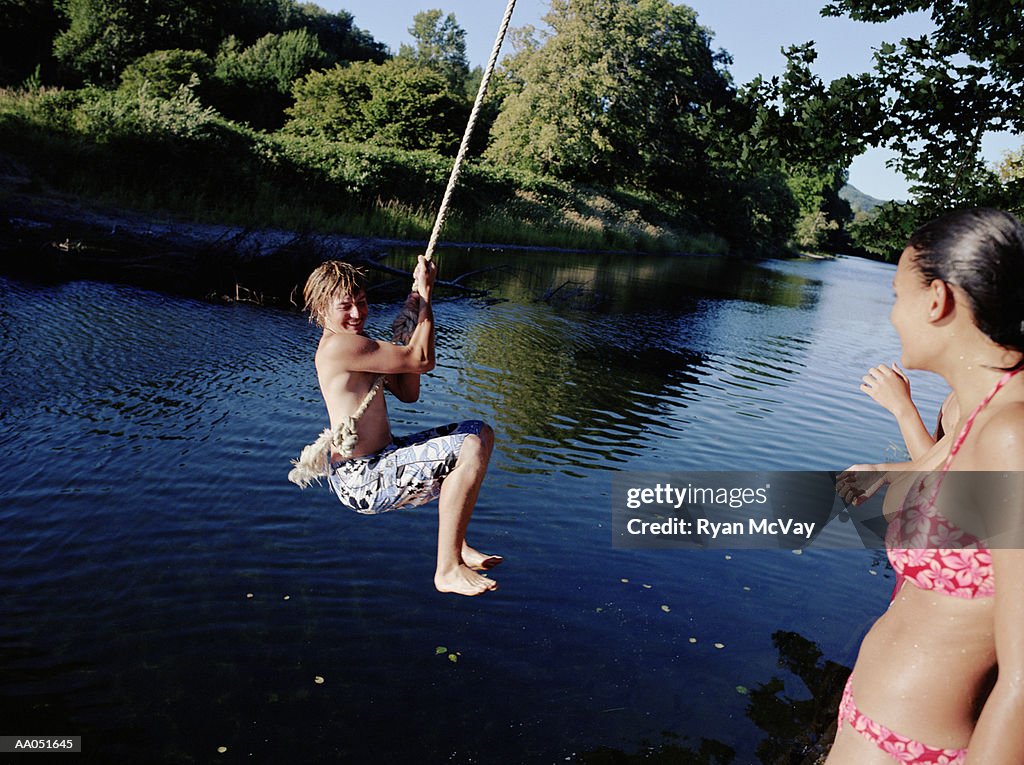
[926, 666]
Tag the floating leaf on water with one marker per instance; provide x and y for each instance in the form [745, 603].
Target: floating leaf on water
[599, 609]
[318, 680]
[222, 749]
[798, 552]
[719, 645]
[453, 657]
[742, 690]
[440, 649]
[665, 608]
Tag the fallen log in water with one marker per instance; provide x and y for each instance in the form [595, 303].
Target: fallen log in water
[54, 240]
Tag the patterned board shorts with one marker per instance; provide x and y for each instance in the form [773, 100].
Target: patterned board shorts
[406, 473]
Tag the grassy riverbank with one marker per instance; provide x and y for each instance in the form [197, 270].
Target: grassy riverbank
[176, 156]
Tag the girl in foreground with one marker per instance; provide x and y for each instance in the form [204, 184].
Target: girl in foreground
[940, 676]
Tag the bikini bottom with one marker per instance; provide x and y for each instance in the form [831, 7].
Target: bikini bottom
[900, 748]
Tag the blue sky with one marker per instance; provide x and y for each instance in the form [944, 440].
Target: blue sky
[752, 31]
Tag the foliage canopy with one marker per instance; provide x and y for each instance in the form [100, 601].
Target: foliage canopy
[624, 95]
[396, 104]
[940, 93]
[612, 93]
[441, 45]
[101, 37]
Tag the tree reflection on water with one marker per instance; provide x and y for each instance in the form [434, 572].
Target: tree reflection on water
[799, 730]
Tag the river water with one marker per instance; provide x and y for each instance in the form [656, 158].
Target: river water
[166, 592]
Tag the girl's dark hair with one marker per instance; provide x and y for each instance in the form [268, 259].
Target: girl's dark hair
[982, 252]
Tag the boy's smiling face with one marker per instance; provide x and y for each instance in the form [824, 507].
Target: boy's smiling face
[347, 313]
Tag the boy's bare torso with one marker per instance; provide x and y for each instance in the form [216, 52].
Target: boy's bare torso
[344, 389]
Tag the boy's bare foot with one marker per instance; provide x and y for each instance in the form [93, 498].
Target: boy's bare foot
[477, 560]
[462, 581]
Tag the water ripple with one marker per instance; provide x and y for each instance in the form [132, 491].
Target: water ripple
[163, 580]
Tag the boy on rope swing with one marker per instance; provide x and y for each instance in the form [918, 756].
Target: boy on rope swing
[381, 472]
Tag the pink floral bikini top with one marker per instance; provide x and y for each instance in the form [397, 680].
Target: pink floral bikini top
[915, 538]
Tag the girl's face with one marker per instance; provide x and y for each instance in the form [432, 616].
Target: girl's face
[910, 310]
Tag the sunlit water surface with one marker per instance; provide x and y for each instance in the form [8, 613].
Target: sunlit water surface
[166, 592]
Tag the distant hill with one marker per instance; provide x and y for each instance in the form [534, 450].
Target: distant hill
[859, 201]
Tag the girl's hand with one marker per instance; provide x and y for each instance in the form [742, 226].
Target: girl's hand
[858, 483]
[889, 387]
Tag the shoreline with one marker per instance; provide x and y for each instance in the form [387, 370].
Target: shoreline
[57, 237]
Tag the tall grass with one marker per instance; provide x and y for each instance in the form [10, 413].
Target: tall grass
[135, 150]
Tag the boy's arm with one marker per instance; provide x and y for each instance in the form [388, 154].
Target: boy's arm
[357, 353]
[406, 386]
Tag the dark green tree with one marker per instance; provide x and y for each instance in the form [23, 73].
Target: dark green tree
[337, 33]
[272, 63]
[27, 29]
[613, 93]
[441, 45]
[253, 84]
[810, 132]
[396, 104]
[163, 72]
[103, 36]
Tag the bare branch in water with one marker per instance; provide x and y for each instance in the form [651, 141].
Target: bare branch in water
[550, 293]
[451, 283]
[246, 295]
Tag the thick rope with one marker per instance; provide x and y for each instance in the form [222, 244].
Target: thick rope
[464, 146]
[404, 324]
[313, 462]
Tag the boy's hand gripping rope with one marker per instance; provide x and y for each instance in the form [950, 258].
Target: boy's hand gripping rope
[404, 324]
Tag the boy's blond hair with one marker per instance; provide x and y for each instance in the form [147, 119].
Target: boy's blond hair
[330, 280]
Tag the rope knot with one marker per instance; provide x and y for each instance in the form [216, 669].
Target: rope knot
[346, 436]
